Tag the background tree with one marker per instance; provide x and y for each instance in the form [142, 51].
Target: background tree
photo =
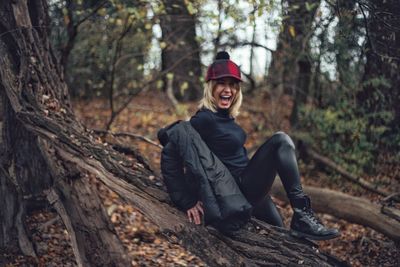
[109, 42]
[290, 71]
[379, 95]
[180, 51]
[348, 124]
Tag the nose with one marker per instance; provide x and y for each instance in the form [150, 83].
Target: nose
[228, 87]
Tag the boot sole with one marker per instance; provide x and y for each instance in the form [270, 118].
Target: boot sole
[313, 237]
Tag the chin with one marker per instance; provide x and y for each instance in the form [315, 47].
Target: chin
[224, 107]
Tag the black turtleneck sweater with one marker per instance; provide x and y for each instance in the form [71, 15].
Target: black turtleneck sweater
[224, 137]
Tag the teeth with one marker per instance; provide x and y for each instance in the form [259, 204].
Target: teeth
[225, 97]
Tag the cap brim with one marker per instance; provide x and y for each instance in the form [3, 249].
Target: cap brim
[227, 76]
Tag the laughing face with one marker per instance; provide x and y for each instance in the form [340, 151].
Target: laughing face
[225, 92]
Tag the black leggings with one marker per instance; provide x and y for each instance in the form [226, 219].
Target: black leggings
[275, 156]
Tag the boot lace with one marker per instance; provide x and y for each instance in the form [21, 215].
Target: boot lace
[312, 216]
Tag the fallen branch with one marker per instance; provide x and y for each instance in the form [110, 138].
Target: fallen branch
[332, 165]
[352, 209]
[391, 212]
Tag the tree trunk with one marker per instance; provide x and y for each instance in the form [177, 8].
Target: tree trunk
[290, 69]
[34, 93]
[380, 95]
[181, 54]
[346, 36]
[17, 187]
[61, 146]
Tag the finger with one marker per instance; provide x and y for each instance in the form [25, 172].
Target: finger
[201, 210]
[197, 218]
[189, 214]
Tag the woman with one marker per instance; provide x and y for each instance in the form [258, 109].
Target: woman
[216, 125]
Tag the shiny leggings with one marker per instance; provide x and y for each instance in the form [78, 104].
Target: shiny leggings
[275, 156]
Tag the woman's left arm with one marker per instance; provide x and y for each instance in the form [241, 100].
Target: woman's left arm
[174, 179]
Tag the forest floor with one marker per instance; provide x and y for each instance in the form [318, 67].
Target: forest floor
[357, 245]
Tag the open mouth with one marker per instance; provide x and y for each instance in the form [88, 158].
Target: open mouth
[225, 100]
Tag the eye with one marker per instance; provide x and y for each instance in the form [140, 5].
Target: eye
[233, 85]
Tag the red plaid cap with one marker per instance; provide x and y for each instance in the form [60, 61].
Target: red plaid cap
[222, 68]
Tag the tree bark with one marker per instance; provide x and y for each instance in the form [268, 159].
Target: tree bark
[179, 38]
[38, 102]
[17, 187]
[352, 209]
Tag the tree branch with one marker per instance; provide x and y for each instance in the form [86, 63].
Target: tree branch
[136, 136]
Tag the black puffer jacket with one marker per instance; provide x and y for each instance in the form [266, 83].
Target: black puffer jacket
[192, 172]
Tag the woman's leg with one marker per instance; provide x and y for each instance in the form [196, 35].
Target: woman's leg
[276, 155]
[265, 210]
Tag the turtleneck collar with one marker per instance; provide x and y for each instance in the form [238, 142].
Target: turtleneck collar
[223, 113]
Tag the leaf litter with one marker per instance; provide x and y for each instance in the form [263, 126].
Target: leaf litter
[357, 245]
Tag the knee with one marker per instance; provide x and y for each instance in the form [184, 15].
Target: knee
[282, 138]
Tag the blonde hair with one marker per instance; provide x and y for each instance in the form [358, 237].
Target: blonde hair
[208, 101]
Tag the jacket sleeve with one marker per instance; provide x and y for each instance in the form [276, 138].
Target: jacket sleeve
[174, 178]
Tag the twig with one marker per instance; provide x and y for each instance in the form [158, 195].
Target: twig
[72, 30]
[136, 136]
[91, 13]
[245, 43]
[217, 39]
[170, 93]
[174, 102]
[371, 43]
[394, 196]
[117, 51]
[50, 222]
[144, 107]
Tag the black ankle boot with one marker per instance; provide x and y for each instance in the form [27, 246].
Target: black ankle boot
[306, 225]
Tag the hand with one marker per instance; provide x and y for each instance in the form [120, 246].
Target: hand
[194, 214]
